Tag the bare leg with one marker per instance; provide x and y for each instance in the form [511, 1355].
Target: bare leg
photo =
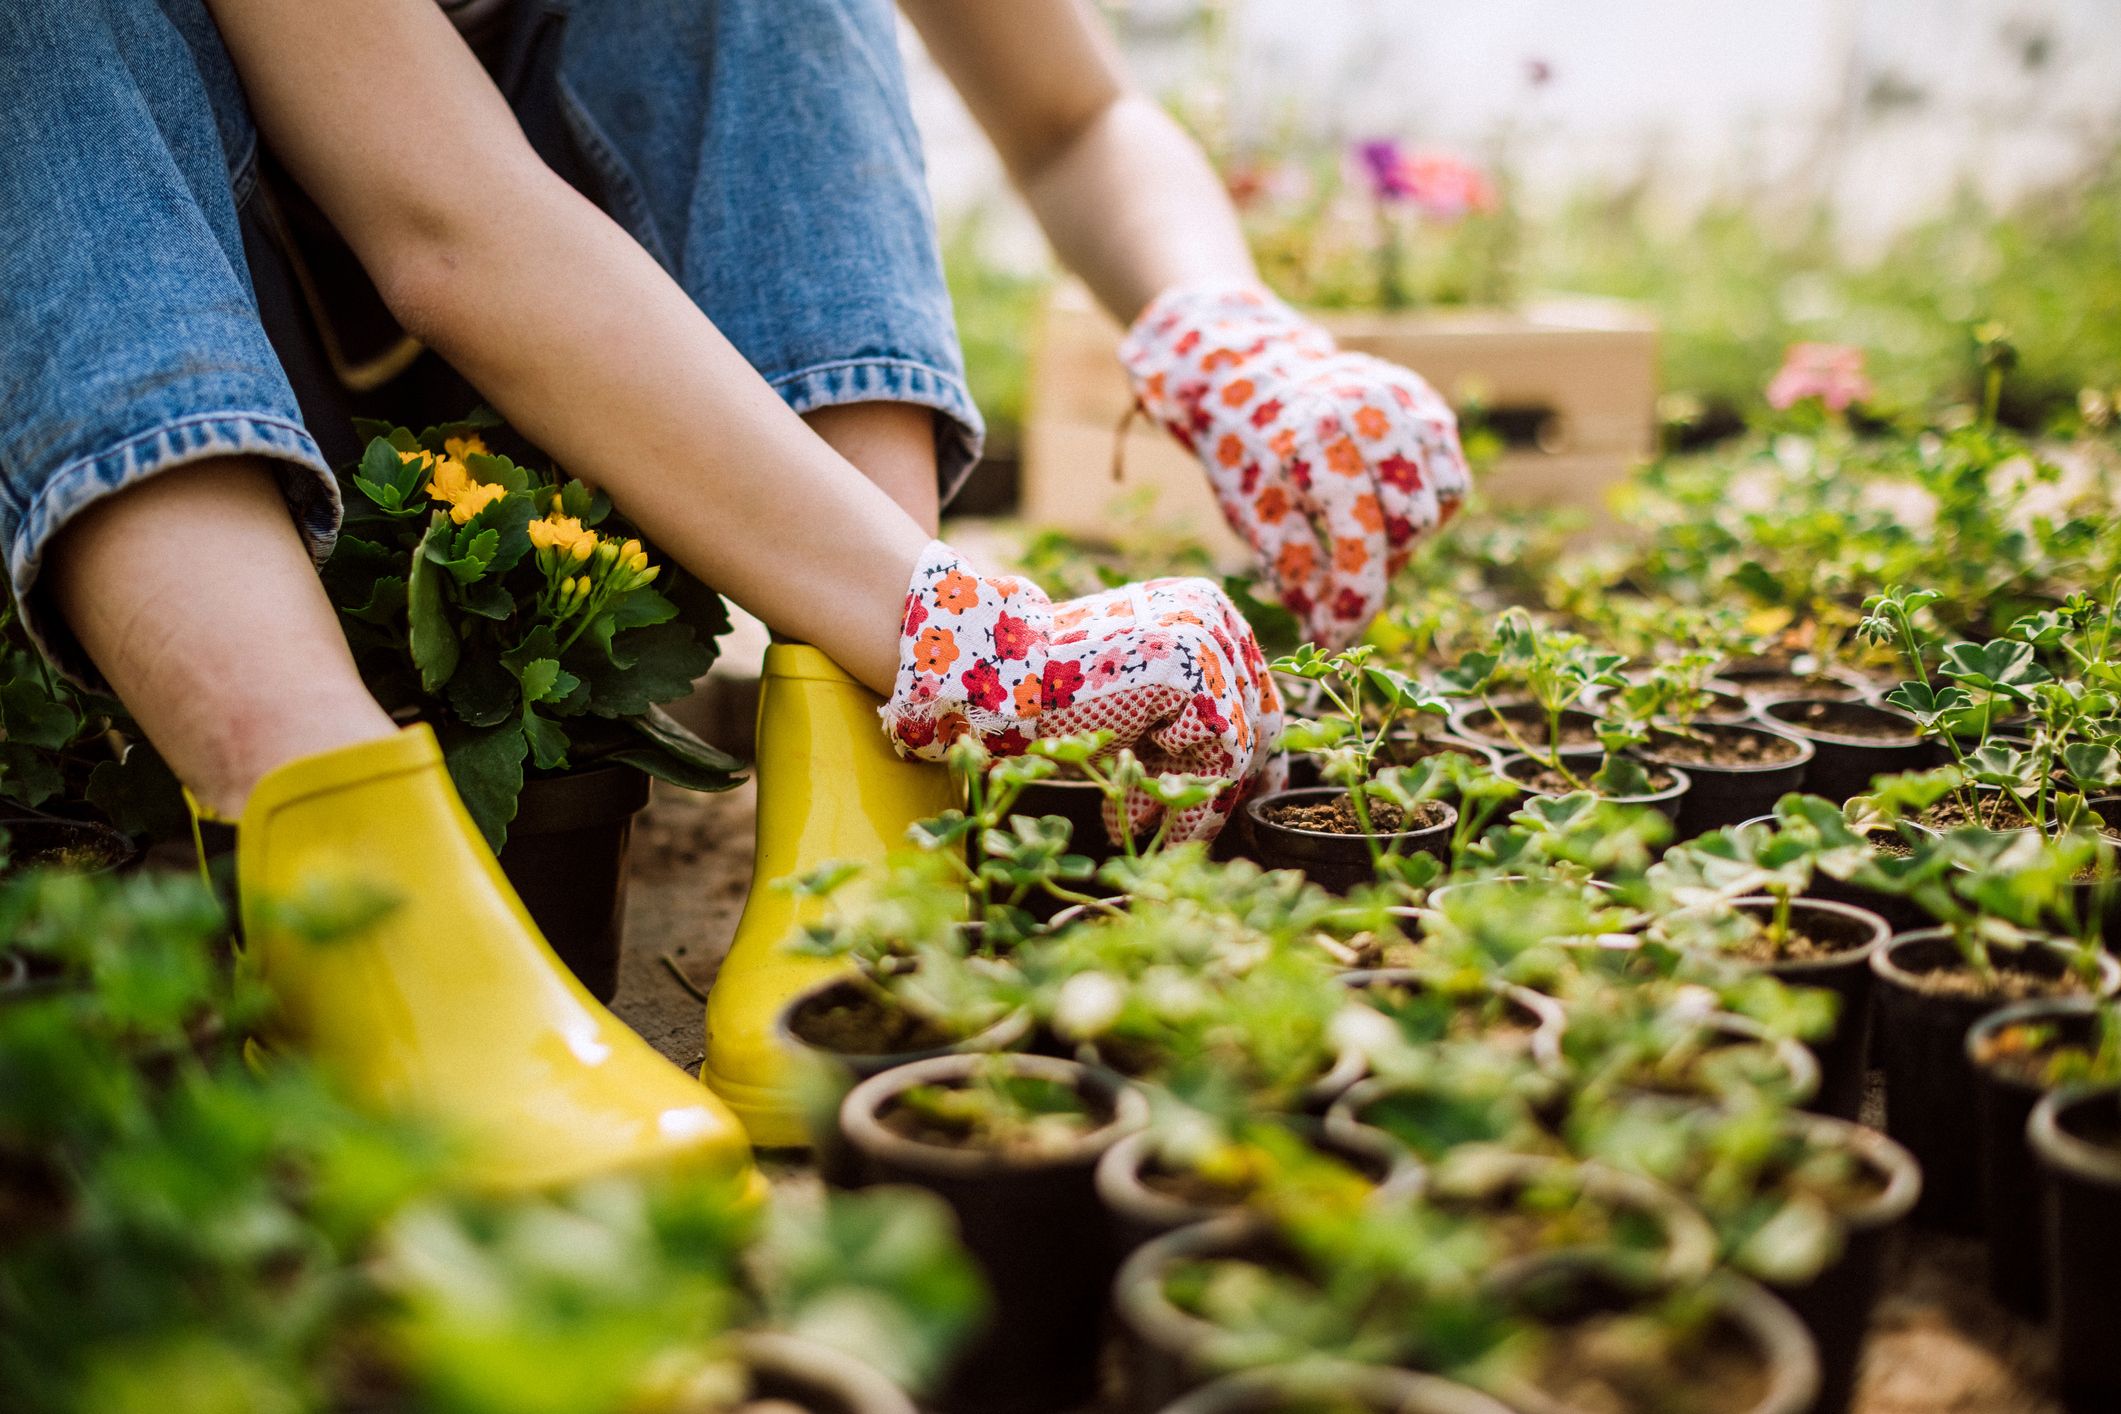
[195, 595]
[894, 446]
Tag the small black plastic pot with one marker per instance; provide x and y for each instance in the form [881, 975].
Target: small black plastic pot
[2010, 1180]
[1835, 1304]
[786, 1371]
[1477, 723]
[1356, 1389]
[1843, 1053]
[1845, 755]
[1141, 1213]
[1730, 794]
[1401, 748]
[1168, 1352]
[77, 846]
[1334, 862]
[1797, 1082]
[2075, 1136]
[1524, 769]
[566, 857]
[841, 1071]
[1902, 915]
[1764, 679]
[1547, 1016]
[2101, 898]
[1034, 1226]
[1920, 1044]
[1558, 1292]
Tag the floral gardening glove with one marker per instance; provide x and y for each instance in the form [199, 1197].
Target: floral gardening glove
[1168, 667]
[1330, 464]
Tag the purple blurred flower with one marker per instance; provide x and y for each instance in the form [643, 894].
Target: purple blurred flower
[1442, 187]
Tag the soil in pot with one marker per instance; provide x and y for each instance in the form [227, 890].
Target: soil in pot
[1513, 1019]
[1327, 846]
[1768, 680]
[1990, 811]
[1538, 1206]
[849, 1019]
[1668, 784]
[2075, 1137]
[1010, 1143]
[1927, 999]
[77, 846]
[2018, 1054]
[1852, 742]
[1737, 771]
[1605, 1346]
[1828, 945]
[1527, 726]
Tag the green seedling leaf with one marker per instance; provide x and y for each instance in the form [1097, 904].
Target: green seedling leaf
[434, 645]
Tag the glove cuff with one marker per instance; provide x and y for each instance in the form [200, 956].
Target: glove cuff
[971, 651]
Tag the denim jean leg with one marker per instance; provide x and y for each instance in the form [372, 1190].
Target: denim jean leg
[129, 335]
[765, 152]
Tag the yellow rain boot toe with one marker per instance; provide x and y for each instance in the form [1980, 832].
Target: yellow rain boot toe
[829, 787]
[453, 1007]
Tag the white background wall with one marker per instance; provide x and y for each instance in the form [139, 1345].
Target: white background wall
[1884, 107]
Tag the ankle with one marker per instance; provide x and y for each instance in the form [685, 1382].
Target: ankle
[252, 748]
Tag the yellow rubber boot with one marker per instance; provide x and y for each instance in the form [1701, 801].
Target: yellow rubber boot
[830, 787]
[453, 1007]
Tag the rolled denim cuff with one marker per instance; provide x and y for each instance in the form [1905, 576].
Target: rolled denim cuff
[306, 481]
[959, 432]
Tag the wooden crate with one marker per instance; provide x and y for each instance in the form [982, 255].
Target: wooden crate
[1571, 382]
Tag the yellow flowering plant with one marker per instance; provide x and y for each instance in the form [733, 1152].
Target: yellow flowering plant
[517, 612]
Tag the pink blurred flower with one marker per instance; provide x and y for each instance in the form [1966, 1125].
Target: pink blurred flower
[1440, 186]
[1832, 373]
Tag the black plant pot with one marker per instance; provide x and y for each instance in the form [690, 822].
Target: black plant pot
[1921, 1047]
[1847, 749]
[1730, 794]
[566, 856]
[1547, 1017]
[2101, 898]
[1168, 1352]
[1034, 1226]
[76, 846]
[2010, 1180]
[1477, 723]
[1356, 1389]
[1843, 1053]
[789, 1372]
[1402, 748]
[2076, 1137]
[1558, 1292]
[1334, 862]
[1141, 1212]
[1835, 1305]
[1765, 679]
[1525, 770]
[836, 1072]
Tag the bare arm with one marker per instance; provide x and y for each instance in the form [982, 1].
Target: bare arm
[564, 323]
[1126, 197]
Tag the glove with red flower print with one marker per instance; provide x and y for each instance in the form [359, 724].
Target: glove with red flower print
[1330, 464]
[1168, 667]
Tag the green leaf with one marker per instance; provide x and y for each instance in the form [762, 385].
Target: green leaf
[435, 649]
[548, 741]
[487, 766]
[666, 660]
[388, 480]
[385, 606]
[484, 693]
[544, 680]
[509, 518]
[139, 794]
[487, 597]
[34, 717]
[465, 556]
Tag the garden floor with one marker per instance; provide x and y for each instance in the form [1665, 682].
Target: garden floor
[1938, 1344]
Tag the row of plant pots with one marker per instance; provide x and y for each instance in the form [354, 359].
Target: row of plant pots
[1049, 1250]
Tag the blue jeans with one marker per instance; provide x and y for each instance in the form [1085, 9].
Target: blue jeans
[762, 150]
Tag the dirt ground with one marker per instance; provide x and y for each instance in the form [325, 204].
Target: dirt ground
[1938, 1344]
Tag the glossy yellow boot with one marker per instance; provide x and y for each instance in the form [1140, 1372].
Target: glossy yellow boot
[830, 787]
[453, 1007]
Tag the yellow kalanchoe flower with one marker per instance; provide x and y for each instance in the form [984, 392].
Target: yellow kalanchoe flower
[564, 537]
[461, 447]
[455, 487]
